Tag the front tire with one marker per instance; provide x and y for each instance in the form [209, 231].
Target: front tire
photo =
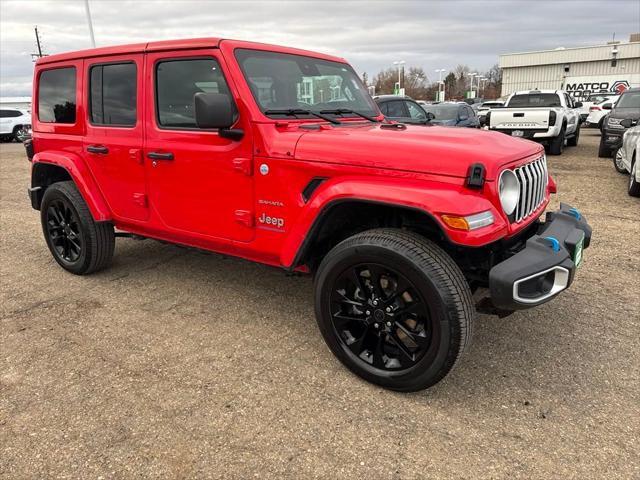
[394, 308]
[573, 141]
[634, 185]
[603, 150]
[556, 145]
[79, 244]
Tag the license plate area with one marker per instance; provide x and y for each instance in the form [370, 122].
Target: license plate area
[517, 133]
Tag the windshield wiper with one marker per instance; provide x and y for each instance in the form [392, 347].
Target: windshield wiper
[301, 111]
[343, 111]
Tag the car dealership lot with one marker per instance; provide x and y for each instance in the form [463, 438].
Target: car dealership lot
[177, 363]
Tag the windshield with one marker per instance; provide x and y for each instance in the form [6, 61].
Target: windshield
[544, 100]
[442, 112]
[281, 81]
[629, 100]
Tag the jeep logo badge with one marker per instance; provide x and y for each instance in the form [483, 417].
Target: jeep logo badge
[264, 169]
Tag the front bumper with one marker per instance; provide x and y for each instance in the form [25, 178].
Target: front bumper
[612, 138]
[545, 266]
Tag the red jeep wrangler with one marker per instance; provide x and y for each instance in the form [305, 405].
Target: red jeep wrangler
[279, 156]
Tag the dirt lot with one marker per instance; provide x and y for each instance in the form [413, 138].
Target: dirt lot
[179, 364]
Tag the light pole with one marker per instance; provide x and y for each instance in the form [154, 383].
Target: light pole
[440, 71]
[472, 75]
[399, 64]
[88, 12]
[483, 80]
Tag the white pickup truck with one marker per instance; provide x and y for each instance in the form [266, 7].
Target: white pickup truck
[546, 116]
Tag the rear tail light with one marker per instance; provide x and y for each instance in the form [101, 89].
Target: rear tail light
[591, 109]
[552, 118]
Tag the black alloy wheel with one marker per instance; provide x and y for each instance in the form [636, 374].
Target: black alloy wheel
[380, 317]
[64, 231]
[394, 308]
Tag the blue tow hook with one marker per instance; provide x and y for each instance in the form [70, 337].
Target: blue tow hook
[574, 212]
[555, 244]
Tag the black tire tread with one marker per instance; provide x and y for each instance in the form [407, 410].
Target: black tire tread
[101, 235]
[439, 266]
[634, 187]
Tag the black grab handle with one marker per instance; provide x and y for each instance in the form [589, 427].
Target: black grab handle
[160, 156]
[101, 149]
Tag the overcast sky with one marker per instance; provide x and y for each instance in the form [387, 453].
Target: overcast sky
[370, 34]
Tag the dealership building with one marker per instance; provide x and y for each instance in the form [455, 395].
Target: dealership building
[612, 67]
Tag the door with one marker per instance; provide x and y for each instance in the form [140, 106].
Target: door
[572, 113]
[200, 182]
[112, 145]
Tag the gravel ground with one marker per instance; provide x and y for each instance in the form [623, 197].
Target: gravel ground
[180, 364]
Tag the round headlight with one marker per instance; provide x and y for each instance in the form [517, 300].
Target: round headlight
[509, 189]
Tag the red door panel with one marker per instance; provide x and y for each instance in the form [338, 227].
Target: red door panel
[112, 146]
[197, 181]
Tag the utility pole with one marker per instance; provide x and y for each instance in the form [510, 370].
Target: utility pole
[88, 11]
[35, 56]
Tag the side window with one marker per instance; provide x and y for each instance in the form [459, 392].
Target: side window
[415, 111]
[384, 109]
[396, 109]
[470, 112]
[462, 113]
[57, 95]
[113, 94]
[10, 113]
[177, 81]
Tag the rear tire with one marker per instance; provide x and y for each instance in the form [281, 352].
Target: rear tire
[573, 141]
[79, 244]
[634, 185]
[556, 145]
[394, 308]
[603, 150]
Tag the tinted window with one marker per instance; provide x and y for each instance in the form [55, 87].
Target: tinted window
[415, 111]
[629, 100]
[177, 81]
[10, 113]
[57, 96]
[443, 111]
[535, 100]
[396, 109]
[113, 94]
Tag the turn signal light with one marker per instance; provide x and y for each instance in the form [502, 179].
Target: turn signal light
[470, 222]
[459, 223]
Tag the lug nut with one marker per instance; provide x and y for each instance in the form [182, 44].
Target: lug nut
[388, 324]
[375, 303]
[376, 325]
[368, 312]
[388, 309]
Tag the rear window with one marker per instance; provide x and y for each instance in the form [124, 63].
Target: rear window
[57, 95]
[629, 100]
[113, 94]
[535, 100]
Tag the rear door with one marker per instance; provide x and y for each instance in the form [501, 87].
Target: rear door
[200, 182]
[114, 134]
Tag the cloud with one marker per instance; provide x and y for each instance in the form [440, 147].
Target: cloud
[370, 34]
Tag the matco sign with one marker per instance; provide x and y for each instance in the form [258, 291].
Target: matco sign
[582, 89]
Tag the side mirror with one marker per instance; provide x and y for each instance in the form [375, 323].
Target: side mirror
[606, 106]
[430, 116]
[213, 110]
[577, 104]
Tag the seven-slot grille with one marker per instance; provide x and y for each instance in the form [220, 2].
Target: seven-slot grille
[533, 179]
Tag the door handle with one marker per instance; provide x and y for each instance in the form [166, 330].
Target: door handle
[101, 149]
[160, 156]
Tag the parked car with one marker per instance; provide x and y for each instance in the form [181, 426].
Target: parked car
[627, 106]
[453, 114]
[485, 107]
[402, 109]
[205, 143]
[15, 124]
[546, 116]
[595, 99]
[598, 112]
[627, 157]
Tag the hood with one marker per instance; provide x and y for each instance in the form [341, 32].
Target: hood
[434, 150]
[446, 123]
[633, 113]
